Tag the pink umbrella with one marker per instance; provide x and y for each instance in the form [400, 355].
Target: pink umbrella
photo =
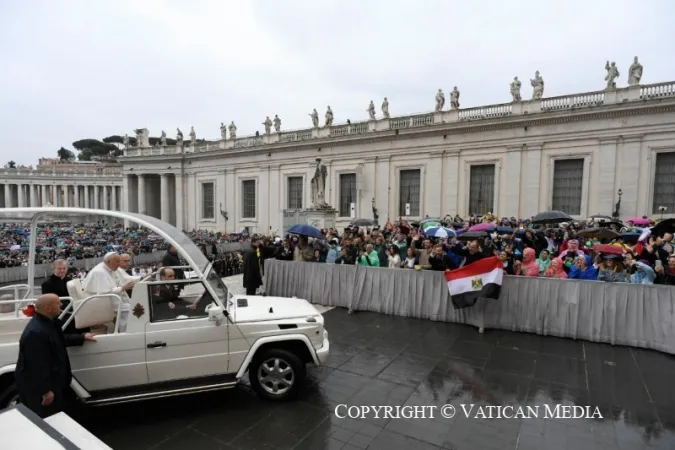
[485, 226]
[639, 221]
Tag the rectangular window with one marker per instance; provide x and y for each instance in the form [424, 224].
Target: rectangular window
[664, 183]
[347, 193]
[294, 192]
[248, 210]
[208, 202]
[568, 180]
[482, 189]
[410, 192]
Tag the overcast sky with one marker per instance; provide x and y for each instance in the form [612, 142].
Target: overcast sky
[88, 69]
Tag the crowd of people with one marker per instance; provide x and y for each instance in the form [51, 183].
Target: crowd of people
[602, 250]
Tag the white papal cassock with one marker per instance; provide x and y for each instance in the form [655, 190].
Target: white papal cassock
[101, 280]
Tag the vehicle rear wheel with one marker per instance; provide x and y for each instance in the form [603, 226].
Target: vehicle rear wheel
[9, 397]
[276, 374]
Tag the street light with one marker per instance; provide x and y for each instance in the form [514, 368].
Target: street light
[618, 205]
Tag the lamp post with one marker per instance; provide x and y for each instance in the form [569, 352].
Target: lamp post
[224, 214]
[618, 205]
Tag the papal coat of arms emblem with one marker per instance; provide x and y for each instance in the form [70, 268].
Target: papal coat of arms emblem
[139, 310]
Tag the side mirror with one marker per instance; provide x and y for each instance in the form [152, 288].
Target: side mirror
[215, 313]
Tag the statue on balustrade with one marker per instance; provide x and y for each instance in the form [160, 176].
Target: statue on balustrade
[139, 138]
[318, 185]
[440, 100]
[634, 73]
[315, 118]
[125, 141]
[193, 136]
[537, 86]
[385, 108]
[454, 98]
[179, 137]
[371, 110]
[515, 89]
[329, 117]
[612, 75]
[277, 123]
[233, 130]
[223, 131]
[268, 125]
[162, 138]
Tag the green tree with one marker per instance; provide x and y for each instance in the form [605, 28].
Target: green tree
[93, 147]
[11, 165]
[65, 154]
[116, 139]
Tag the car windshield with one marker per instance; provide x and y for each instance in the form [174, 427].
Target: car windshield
[217, 285]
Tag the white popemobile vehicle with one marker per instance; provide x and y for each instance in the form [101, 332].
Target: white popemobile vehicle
[151, 355]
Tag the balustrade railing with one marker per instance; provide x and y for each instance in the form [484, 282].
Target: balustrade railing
[573, 101]
[399, 122]
[342, 130]
[358, 128]
[658, 90]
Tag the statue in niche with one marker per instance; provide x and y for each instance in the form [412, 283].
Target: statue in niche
[440, 100]
[454, 98]
[223, 131]
[515, 89]
[371, 110]
[233, 130]
[634, 73]
[612, 75]
[385, 108]
[537, 86]
[277, 123]
[329, 117]
[193, 136]
[318, 185]
[268, 125]
[162, 138]
[315, 118]
[179, 136]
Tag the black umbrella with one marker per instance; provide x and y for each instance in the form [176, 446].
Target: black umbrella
[362, 222]
[598, 232]
[600, 218]
[551, 217]
[472, 236]
[663, 227]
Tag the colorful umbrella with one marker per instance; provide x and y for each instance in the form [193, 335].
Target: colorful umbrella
[430, 224]
[608, 249]
[640, 221]
[485, 226]
[440, 232]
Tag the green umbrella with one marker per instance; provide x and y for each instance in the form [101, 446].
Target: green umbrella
[426, 225]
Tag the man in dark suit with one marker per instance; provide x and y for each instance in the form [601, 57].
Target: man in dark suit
[253, 267]
[56, 283]
[171, 259]
[43, 370]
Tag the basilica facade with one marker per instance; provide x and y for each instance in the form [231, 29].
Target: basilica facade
[591, 153]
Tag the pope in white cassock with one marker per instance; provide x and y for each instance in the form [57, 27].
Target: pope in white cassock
[108, 278]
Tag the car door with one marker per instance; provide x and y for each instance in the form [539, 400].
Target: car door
[185, 345]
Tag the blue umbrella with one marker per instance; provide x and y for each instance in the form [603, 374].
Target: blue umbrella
[504, 230]
[306, 230]
[630, 238]
[440, 232]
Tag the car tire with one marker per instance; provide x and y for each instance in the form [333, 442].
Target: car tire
[276, 374]
[9, 396]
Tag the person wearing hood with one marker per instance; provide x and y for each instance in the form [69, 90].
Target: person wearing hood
[556, 269]
[583, 269]
[611, 270]
[544, 261]
[333, 252]
[642, 273]
[529, 266]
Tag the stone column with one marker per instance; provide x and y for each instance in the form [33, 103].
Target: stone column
[165, 213]
[33, 195]
[85, 194]
[45, 195]
[96, 197]
[114, 207]
[21, 194]
[66, 199]
[8, 195]
[179, 201]
[76, 195]
[142, 209]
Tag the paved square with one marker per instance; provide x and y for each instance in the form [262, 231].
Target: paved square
[388, 360]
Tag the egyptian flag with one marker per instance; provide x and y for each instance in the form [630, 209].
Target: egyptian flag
[482, 278]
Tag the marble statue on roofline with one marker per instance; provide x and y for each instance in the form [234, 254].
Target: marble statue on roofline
[454, 98]
[223, 131]
[277, 123]
[612, 75]
[371, 110]
[515, 89]
[268, 125]
[385, 108]
[162, 138]
[315, 118]
[440, 100]
[537, 86]
[329, 117]
[179, 136]
[193, 135]
[125, 141]
[634, 73]
[233, 130]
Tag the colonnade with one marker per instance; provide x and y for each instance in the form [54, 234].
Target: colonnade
[21, 195]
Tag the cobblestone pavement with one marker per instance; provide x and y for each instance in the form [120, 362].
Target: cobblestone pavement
[387, 360]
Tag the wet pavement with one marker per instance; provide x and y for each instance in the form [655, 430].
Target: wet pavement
[387, 360]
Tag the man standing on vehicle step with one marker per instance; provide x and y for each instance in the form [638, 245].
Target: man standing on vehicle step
[253, 267]
[43, 370]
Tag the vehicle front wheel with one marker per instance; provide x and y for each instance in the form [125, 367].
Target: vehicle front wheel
[9, 397]
[276, 374]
